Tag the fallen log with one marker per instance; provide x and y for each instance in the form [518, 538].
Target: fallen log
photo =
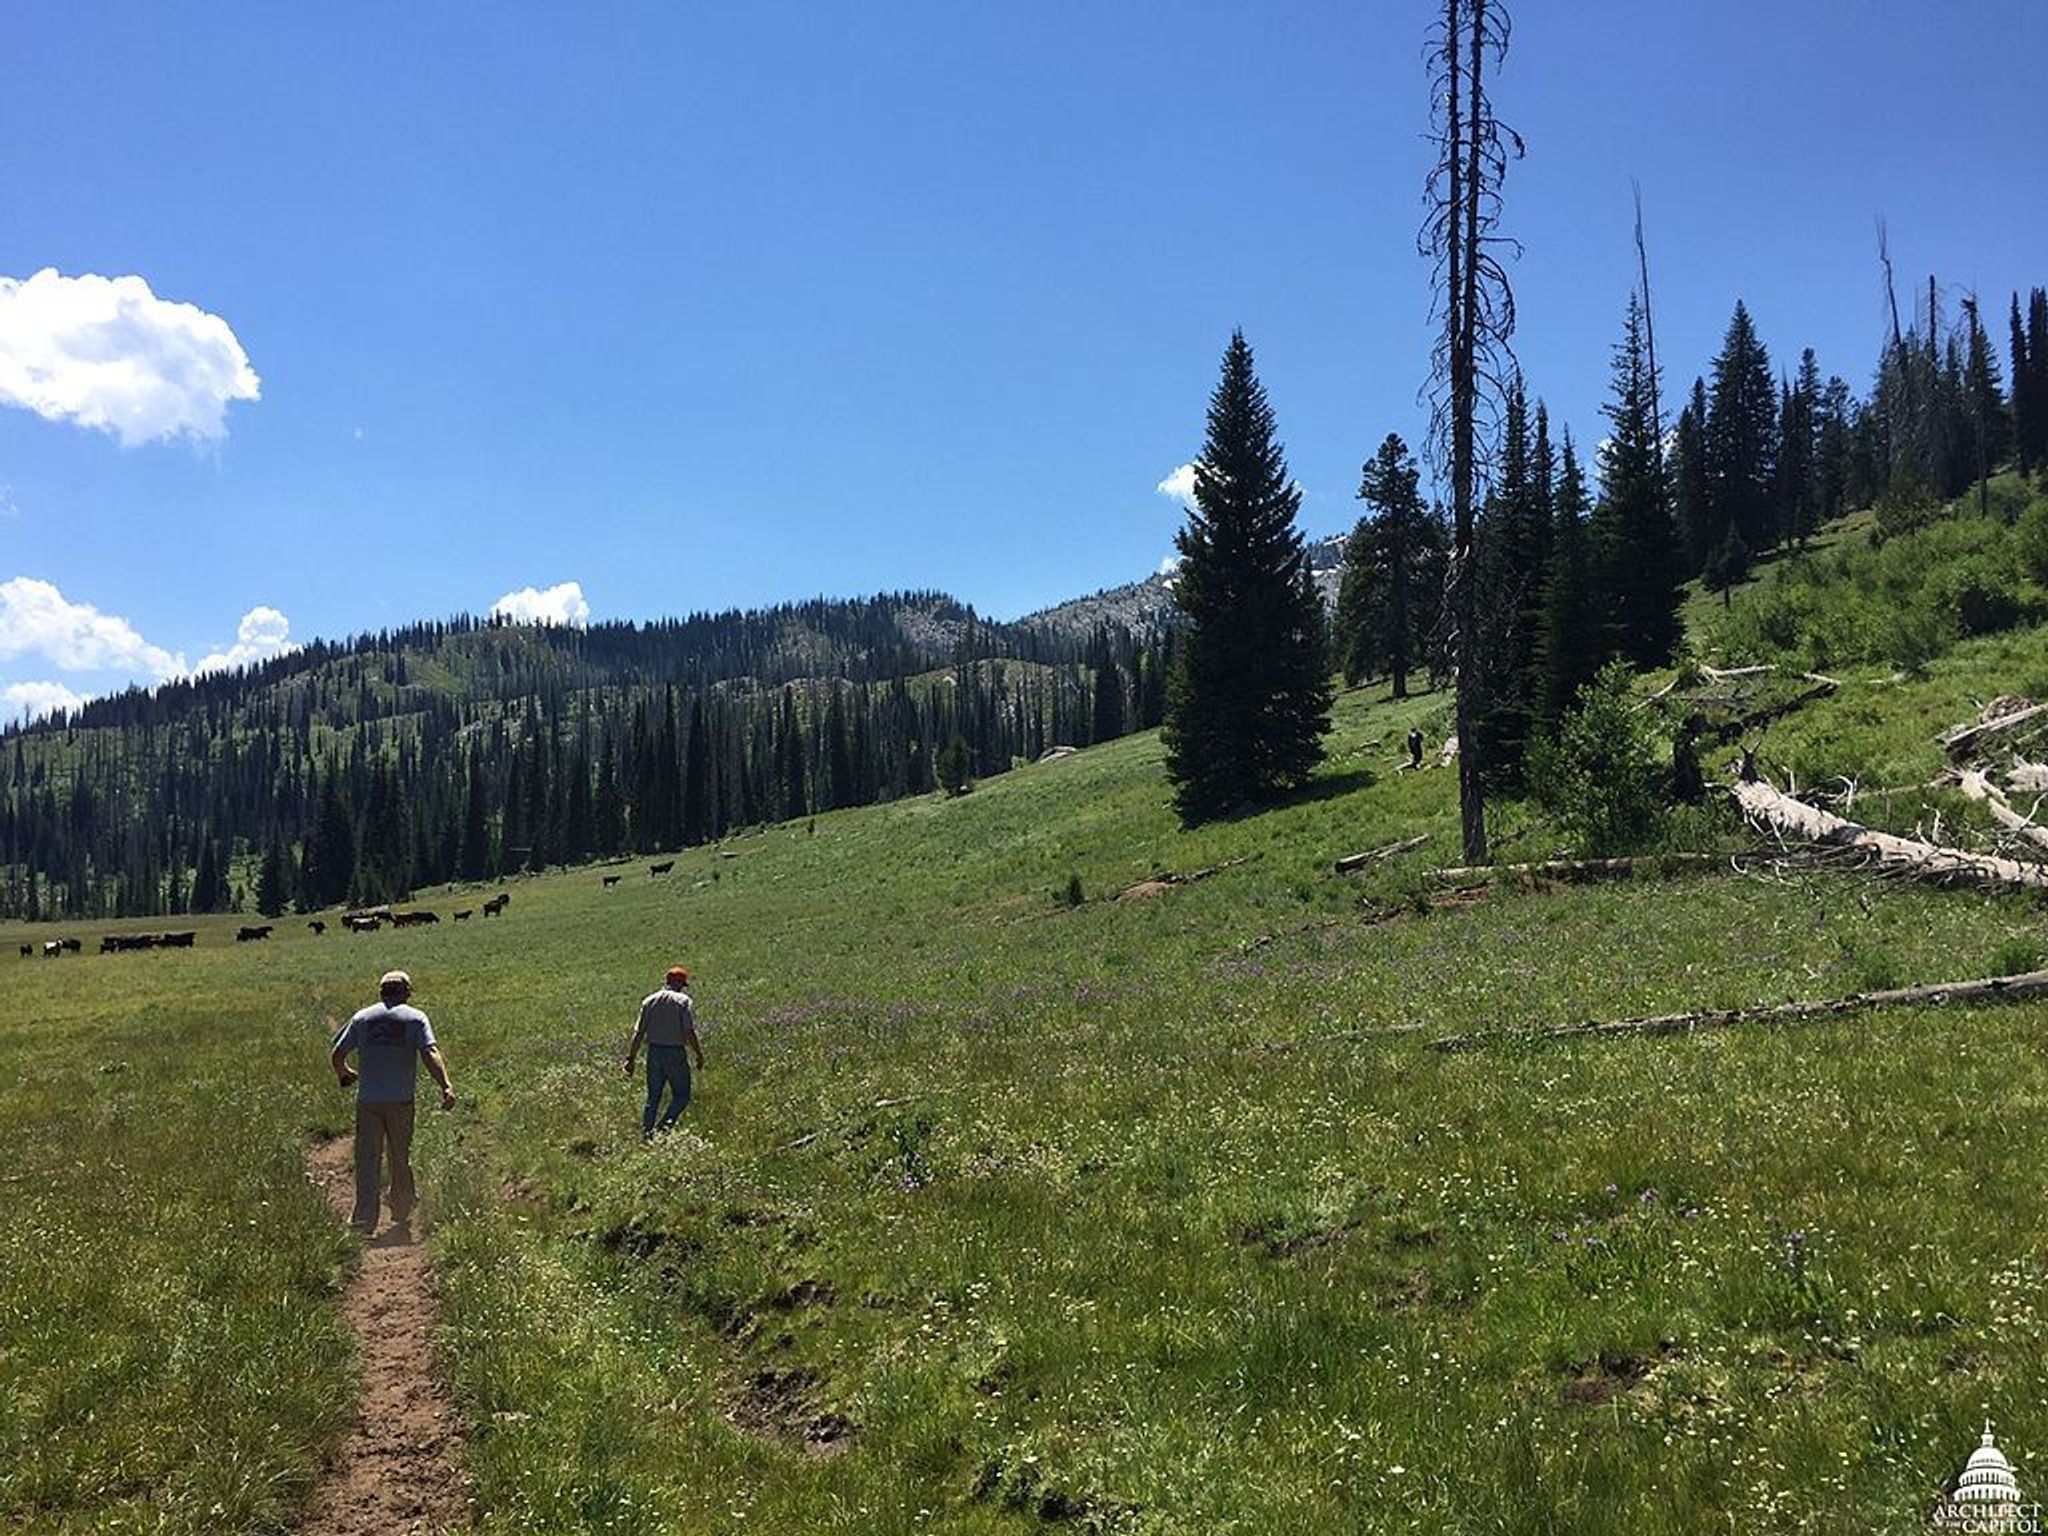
[1964, 740]
[1356, 861]
[1778, 811]
[2028, 984]
[1160, 884]
[2027, 778]
[1977, 787]
[1576, 869]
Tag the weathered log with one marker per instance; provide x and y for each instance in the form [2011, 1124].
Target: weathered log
[1777, 810]
[1357, 861]
[1158, 884]
[2027, 778]
[1577, 869]
[1977, 787]
[1964, 740]
[2028, 984]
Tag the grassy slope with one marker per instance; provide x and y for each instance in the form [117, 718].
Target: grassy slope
[1149, 1245]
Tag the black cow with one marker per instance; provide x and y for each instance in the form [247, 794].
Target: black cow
[412, 919]
[70, 944]
[52, 948]
[463, 917]
[497, 904]
[360, 924]
[28, 951]
[610, 881]
[660, 869]
[108, 945]
[246, 935]
[175, 940]
[317, 926]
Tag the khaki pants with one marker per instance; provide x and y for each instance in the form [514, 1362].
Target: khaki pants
[378, 1127]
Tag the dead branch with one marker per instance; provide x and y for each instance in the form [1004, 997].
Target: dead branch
[1576, 869]
[1775, 811]
[1963, 742]
[1357, 861]
[2029, 984]
[1977, 787]
[2027, 778]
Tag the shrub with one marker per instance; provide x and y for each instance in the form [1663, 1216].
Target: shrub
[2030, 536]
[1600, 776]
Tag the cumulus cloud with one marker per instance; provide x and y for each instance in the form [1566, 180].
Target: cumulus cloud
[31, 701]
[107, 353]
[1179, 486]
[559, 604]
[263, 633]
[76, 637]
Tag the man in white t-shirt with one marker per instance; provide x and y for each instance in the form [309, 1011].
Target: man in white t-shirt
[668, 1023]
[390, 1040]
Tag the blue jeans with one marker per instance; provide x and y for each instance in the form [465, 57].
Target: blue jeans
[667, 1067]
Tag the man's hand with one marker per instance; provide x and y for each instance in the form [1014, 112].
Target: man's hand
[447, 1098]
[347, 1076]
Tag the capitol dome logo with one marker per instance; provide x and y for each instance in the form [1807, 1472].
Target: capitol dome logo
[1986, 1500]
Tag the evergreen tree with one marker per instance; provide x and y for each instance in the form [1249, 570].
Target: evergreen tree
[697, 779]
[1514, 537]
[1569, 646]
[1108, 692]
[1634, 541]
[1692, 492]
[270, 881]
[474, 861]
[2029, 409]
[1741, 434]
[1391, 594]
[1985, 418]
[955, 766]
[1798, 448]
[1834, 423]
[1249, 702]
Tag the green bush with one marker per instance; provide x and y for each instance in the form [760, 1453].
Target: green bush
[2030, 539]
[1601, 777]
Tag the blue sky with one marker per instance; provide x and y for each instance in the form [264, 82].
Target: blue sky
[698, 306]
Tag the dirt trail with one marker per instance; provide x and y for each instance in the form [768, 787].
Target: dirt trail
[400, 1469]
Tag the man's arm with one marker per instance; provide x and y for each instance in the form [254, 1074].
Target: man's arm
[639, 1034]
[431, 1055]
[338, 1058]
[690, 1034]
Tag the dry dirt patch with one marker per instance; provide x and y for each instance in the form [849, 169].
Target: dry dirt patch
[400, 1469]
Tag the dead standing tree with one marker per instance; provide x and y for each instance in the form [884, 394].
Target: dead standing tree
[1470, 359]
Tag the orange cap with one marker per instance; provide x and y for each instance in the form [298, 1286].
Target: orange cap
[678, 973]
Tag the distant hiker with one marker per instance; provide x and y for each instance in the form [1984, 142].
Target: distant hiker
[390, 1039]
[1414, 747]
[668, 1023]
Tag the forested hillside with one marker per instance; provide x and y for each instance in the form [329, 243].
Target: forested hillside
[471, 748]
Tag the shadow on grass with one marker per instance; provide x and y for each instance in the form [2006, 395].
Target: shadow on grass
[1329, 787]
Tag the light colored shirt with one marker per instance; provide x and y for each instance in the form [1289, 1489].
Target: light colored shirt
[666, 1017]
[387, 1043]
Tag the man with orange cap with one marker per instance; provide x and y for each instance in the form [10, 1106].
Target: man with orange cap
[668, 1023]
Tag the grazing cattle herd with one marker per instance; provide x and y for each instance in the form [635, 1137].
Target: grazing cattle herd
[365, 921]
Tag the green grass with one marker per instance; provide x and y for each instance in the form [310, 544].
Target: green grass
[995, 1215]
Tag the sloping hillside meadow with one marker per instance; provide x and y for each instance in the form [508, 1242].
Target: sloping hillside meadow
[1000, 1215]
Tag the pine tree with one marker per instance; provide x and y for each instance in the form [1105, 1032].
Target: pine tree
[1569, 643]
[474, 861]
[1514, 537]
[1249, 702]
[1798, 426]
[1741, 433]
[1391, 594]
[697, 778]
[1107, 691]
[1634, 541]
[1985, 419]
[270, 881]
[1692, 493]
[955, 766]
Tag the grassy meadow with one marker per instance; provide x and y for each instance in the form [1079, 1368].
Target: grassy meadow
[997, 1215]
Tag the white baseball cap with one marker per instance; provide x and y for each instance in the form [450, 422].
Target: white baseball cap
[396, 979]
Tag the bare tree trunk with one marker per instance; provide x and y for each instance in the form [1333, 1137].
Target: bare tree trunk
[1650, 340]
[1989, 989]
[1889, 853]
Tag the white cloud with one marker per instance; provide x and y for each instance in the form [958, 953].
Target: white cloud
[31, 701]
[1180, 485]
[263, 633]
[76, 637]
[560, 604]
[106, 353]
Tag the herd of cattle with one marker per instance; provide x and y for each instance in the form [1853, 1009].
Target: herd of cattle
[369, 920]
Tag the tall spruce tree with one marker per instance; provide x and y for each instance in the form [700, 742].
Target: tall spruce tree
[1249, 701]
[1635, 542]
[1741, 438]
[1390, 597]
[1569, 643]
[1514, 538]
